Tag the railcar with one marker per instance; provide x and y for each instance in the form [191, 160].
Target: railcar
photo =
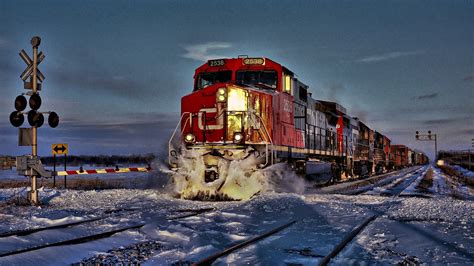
[255, 108]
[400, 155]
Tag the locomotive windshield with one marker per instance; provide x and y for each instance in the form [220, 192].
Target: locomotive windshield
[209, 78]
[265, 79]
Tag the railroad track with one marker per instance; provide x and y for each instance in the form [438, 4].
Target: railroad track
[362, 186]
[73, 241]
[211, 259]
[90, 237]
[358, 229]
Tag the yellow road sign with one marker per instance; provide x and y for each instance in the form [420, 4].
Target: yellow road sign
[59, 149]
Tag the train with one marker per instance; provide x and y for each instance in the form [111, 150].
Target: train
[254, 107]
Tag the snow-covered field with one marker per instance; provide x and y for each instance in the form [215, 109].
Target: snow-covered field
[438, 229]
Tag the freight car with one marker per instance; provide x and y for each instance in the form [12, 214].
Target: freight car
[243, 108]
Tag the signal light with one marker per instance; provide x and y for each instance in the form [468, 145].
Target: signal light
[417, 137]
[35, 101]
[53, 120]
[16, 118]
[35, 119]
[20, 103]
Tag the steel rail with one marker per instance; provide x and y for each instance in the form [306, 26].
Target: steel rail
[209, 260]
[108, 213]
[377, 181]
[390, 182]
[193, 213]
[347, 240]
[34, 230]
[74, 241]
[24, 232]
[349, 237]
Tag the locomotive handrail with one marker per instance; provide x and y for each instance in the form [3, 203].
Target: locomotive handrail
[266, 144]
[174, 133]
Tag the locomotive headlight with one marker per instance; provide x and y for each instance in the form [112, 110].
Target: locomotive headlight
[221, 95]
[238, 137]
[237, 100]
[189, 138]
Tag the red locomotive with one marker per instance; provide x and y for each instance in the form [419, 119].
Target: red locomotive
[254, 107]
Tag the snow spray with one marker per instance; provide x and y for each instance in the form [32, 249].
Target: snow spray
[238, 179]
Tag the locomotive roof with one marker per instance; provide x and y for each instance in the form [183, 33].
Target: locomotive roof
[265, 60]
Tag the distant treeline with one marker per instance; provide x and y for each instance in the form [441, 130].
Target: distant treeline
[106, 160]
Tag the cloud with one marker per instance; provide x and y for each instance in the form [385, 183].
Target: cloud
[441, 121]
[386, 56]
[468, 78]
[203, 52]
[3, 42]
[427, 96]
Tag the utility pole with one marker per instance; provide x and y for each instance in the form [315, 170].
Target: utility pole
[428, 137]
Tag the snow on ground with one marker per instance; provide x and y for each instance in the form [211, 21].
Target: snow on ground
[414, 230]
[412, 188]
[418, 230]
[464, 171]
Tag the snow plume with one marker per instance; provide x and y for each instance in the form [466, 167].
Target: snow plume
[281, 178]
[159, 177]
[238, 179]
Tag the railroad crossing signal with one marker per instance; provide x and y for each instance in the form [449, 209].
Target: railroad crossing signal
[30, 165]
[35, 118]
[60, 149]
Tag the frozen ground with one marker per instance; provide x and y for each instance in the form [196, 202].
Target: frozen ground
[437, 229]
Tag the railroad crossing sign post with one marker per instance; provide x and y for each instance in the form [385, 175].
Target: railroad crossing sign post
[30, 165]
[59, 149]
[428, 137]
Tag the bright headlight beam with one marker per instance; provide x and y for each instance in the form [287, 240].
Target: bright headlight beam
[189, 138]
[237, 100]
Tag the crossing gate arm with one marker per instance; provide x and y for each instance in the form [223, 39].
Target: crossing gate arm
[104, 171]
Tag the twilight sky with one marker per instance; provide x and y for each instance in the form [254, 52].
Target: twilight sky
[115, 70]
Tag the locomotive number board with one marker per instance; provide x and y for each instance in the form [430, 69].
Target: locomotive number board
[217, 62]
[254, 61]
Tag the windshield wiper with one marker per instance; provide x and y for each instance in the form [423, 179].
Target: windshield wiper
[259, 85]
